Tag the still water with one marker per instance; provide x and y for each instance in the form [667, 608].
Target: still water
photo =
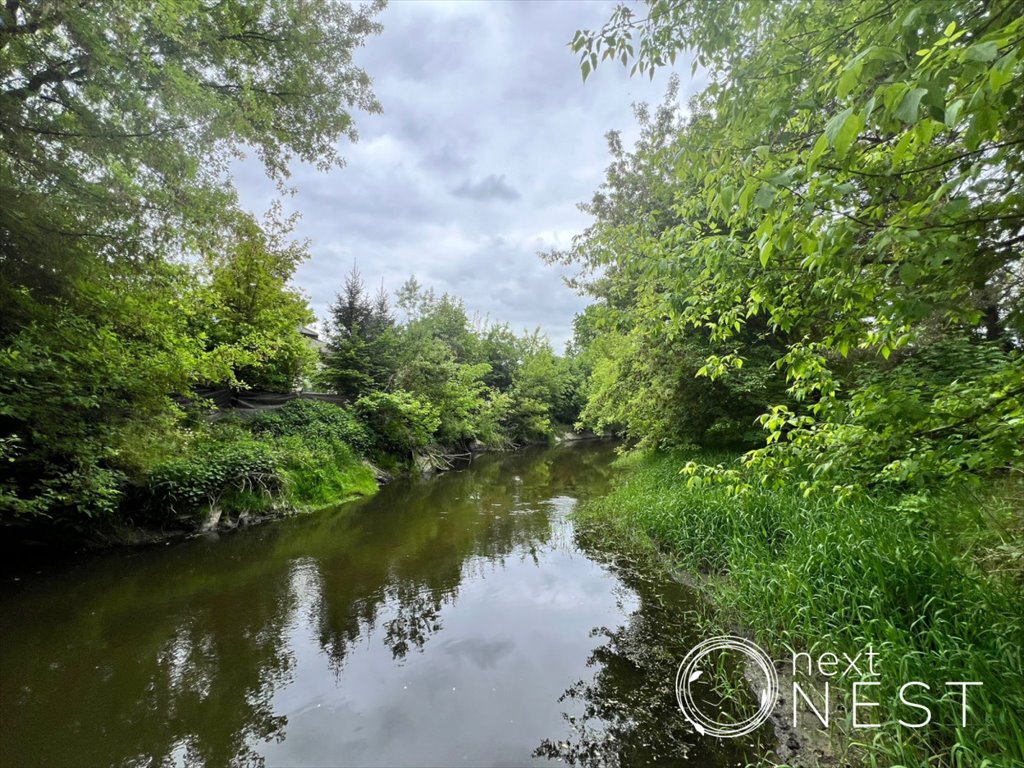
[456, 620]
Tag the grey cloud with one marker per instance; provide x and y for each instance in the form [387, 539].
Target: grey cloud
[469, 90]
[490, 187]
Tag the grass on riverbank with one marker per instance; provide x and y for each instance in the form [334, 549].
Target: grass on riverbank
[306, 455]
[931, 582]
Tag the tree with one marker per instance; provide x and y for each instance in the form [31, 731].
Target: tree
[118, 122]
[360, 346]
[119, 119]
[852, 181]
[643, 380]
[253, 316]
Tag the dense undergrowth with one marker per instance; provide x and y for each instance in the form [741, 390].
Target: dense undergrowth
[931, 581]
[307, 454]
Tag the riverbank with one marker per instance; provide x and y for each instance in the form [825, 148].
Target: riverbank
[210, 478]
[933, 582]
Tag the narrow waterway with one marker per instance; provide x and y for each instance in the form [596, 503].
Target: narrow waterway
[457, 620]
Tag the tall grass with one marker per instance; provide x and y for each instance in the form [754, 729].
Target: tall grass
[326, 473]
[931, 581]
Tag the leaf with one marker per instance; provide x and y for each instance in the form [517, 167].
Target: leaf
[953, 113]
[835, 124]
[765, 247]
[764, 197]
[851, 129]
[817, 151]
[848, 80]
[726, 197]
[842, 129]
[982, 51]
[909, 273]
[910, 104]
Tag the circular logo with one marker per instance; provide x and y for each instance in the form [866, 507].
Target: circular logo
[689, 672]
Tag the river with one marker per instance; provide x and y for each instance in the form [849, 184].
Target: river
[454, 620]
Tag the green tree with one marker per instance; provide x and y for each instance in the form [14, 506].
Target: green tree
[850, 180]
[361, 342]
[643, 380]
[537, 385]
[253, 316]
[119, 119]
[118, 122]
[76, 382]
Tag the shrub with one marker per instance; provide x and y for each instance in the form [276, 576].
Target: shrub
[314, 420]
[229, 461]
[400, 423]
[321, 472]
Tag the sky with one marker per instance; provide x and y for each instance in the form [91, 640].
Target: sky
[488, 141]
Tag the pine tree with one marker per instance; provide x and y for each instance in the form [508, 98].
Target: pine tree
[360, 345]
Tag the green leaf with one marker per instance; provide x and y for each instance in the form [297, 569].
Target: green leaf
[910, 104]
[851, 129]
[983, 52]
[817, 150]
[835, 124]
[848, 80]
[725, 199]
[953, 113]
[764, 197]
[843, 129]
[909, 273]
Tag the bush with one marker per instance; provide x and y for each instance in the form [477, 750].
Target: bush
[400, 423]
[314, 420]
[317, 445]
[227, 462]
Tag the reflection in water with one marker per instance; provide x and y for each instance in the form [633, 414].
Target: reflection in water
[436, 623]
[629, 712]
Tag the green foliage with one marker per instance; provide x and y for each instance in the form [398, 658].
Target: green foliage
[639, 375]
[212, 465]
[321, 471]
[949, 410]
[299, 456]
[482, 381]
[829, 237]
[399, 423]
[251, 316]
[849, 184]
[313, 421]
[919, 578]
[360, 354]
[73, 381]
[119, 120]
[129, 272]
[647, 388]
[539, 386]
[455, 389]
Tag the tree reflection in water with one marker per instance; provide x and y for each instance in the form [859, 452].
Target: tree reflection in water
[211, 652]
[629, 712]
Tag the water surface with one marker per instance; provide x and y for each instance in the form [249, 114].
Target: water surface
[457, 620]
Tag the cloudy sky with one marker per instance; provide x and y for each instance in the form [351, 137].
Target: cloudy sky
[488, 140]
